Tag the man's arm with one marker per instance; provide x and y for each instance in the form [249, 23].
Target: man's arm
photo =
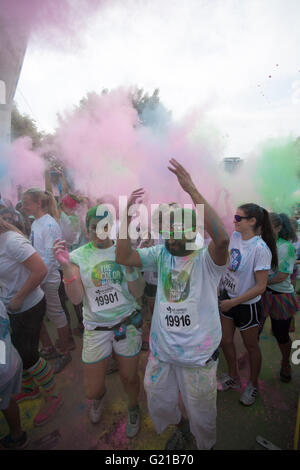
[125, 255]
[136, 286]
[218, 247]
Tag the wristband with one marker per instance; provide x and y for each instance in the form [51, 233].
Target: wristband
[132, 276]
[68, 281]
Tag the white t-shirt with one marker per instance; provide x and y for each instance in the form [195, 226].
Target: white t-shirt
[185, 327]
[9, 356]
[44, 232]
[107, 300]
[14, 250]
[246, 257]
[151, 276]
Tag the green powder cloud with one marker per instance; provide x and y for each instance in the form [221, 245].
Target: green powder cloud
[277, 176]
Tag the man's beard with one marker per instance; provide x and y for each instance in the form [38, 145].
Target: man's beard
[179, 251]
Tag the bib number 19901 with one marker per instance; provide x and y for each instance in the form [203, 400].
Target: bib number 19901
[106, 299]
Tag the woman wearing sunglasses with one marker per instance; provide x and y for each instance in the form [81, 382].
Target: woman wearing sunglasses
[252, 251]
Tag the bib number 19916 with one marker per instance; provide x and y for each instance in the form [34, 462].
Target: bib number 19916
[177, 320]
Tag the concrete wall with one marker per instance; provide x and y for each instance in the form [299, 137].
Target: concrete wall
[12, 51]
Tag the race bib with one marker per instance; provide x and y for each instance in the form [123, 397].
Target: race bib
[178, 317]
[230, 283]
[104, 298]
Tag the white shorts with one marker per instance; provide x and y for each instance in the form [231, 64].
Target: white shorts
[98, 345]
[54, 310]
[198, 389]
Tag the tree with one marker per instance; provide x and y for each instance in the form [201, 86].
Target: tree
[23, 125]
[151, 111]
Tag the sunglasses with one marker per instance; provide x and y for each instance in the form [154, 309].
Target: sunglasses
[238, 218]
[177, 234]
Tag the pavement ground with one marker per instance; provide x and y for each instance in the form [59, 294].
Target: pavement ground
[273, 416]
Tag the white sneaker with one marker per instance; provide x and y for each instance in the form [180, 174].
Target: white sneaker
[96, 410]
[226, 382]
[133, 422]
[249, 395]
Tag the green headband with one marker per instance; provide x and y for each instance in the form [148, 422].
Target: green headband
[92, 214]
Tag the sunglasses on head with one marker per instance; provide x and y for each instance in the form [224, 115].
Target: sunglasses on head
[238, 218]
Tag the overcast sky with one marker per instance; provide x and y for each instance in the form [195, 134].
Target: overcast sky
[213, 54]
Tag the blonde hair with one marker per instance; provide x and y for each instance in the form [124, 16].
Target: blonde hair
[48, 202]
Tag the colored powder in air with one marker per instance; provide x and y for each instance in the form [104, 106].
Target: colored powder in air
[277, 177]
[20, 165]
[56, 23]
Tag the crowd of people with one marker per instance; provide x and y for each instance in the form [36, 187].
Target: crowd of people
[130, 295]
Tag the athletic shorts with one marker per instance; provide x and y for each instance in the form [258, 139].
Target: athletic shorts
[244, 316]
[11, 388]
[198, 388]
[98, 345]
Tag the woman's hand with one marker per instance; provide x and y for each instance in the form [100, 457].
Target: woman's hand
[15, 304]
[61, 253]
[226, 305]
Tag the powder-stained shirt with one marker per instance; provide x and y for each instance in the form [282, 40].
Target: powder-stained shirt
[185, 327]
[286, 261]
[107, 299]
[44, 232]
[246, 257]
[14, 250]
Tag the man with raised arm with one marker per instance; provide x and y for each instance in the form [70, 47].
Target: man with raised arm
[186, 330]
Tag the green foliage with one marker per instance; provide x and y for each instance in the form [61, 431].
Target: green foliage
[23, 125]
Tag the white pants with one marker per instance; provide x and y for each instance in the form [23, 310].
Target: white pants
[198, 389]
[54, 311]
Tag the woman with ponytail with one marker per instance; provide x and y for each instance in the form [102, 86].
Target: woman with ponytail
[252, 252]
[279, 300]
[21, 272]
[44, 231]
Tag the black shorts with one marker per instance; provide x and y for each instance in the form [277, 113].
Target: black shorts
[245, 316]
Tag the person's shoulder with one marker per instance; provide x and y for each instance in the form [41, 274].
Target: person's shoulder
[287, 247]
[235, 236]
[261, 245]
[82, 249]
[283, 245]
[12, 238]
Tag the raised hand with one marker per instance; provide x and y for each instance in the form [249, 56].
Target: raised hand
[60, 252]
[184, 178]
[134, 196]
